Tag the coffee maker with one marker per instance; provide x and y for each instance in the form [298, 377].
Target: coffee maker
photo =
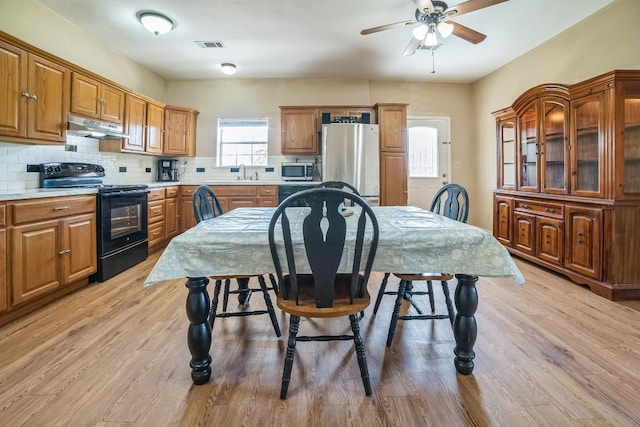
[167, 170]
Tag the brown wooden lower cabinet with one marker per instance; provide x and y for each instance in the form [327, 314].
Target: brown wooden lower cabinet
[52, 247]
[162, 214]
[230, 197]
[584, 241]
[591, 242]
[3, 259]
[393, 179]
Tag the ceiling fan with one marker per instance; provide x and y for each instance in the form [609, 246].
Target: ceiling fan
[434, 15]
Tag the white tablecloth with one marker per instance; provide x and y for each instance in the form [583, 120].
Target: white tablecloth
[411, 240]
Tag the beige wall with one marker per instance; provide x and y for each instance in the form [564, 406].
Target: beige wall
[603, 42]
[262, 98]
[33, 23]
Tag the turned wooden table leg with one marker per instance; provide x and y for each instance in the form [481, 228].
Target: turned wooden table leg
[199, 334]
[465, 329]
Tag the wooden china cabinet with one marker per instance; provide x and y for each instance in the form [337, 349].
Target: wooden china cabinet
[568, 195]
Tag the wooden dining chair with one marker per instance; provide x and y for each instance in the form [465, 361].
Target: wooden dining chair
[451, 201]
[308, 246]
[207, 206]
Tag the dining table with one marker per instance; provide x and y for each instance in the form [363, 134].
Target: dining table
[411, 240]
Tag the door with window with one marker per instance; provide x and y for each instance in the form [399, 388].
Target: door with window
[428, 152]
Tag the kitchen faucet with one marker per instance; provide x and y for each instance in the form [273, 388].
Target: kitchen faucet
[244, 171]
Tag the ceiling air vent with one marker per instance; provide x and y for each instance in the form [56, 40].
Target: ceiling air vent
[209, 45]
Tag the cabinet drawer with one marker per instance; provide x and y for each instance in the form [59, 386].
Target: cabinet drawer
[187, 190]
[542, 208]
[3, 216]
[156, 234]
[235, 190]
[38, 210]
[156, 194]
[267, 202]
[156, 211]
[268, 191]
[170, 192]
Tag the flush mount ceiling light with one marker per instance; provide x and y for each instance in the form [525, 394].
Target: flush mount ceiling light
[228, 68]
[156, 23]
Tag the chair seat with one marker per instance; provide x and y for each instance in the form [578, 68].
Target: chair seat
[306, 306]
[424, 276]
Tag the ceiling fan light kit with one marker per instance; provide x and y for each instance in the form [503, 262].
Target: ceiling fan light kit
[155, 22]
[434, 15]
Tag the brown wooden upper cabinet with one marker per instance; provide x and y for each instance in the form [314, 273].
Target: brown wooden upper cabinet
[95, 99]
[299, 130]
[179, 131]
[34, 97]
[144, 121]
[393, 127]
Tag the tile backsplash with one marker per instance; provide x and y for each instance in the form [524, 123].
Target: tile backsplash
[14, 159]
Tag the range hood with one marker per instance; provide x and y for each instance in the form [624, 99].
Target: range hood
[91, 128]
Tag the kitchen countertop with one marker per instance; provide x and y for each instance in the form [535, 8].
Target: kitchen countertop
[35, 193]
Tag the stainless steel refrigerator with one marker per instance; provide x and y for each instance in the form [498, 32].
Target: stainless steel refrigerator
[350, 153]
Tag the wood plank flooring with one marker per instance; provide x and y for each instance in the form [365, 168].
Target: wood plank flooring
[548, 353]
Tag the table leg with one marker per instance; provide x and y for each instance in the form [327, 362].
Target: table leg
[199, 333]
[465, 329]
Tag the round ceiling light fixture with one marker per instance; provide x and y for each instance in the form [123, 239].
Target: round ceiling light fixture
[155, 22]
[228, 68]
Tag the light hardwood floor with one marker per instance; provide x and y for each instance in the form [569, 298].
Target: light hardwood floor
[548, 353]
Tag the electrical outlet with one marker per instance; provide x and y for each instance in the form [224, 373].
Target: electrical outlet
[122, 169]
[147, 170]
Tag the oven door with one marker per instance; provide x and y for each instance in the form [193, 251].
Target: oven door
[123, 220]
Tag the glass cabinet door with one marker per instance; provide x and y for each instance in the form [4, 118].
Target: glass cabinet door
[528, 152]
[587, 141]
[554, 147]
[507, 153]
[631, 179]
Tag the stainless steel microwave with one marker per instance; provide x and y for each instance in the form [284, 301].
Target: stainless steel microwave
[297, 171]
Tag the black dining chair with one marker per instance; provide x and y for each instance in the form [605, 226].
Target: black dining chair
[451, 201]
[340, 185]
[307, 267]
[207, 206]
[345, 186]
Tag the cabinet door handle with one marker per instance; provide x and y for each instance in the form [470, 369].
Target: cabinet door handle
[64, 252]
[61, 208]
[27, 94]
[34, 97]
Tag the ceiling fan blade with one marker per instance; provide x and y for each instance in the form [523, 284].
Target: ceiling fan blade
[387, 27]
[466, 33]
[470, 6]
[412, 47]
[424, 4]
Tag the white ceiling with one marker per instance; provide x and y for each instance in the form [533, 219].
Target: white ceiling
[319, 38]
